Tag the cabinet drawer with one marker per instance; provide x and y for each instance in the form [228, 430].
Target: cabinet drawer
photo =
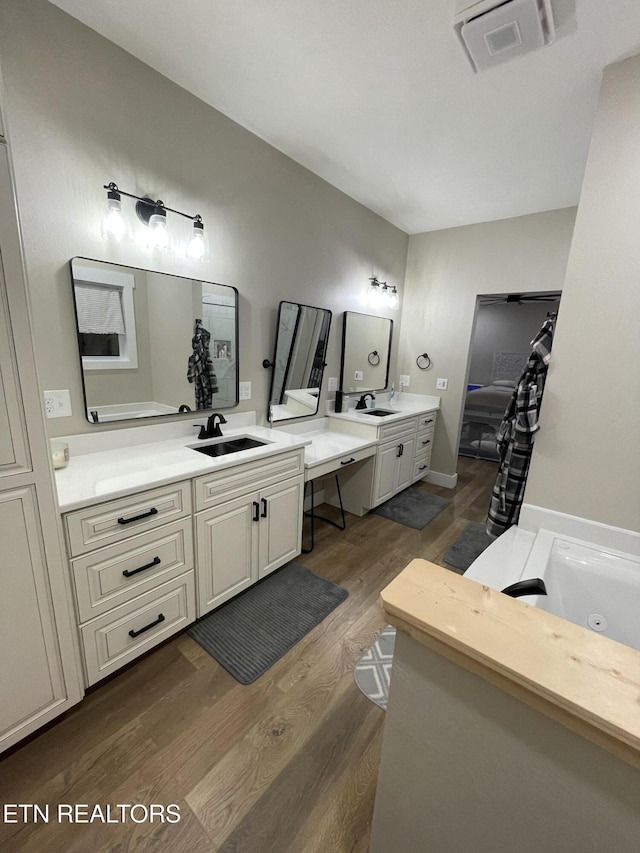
[424, 442]
[421, 467]
[428, 420]
[124, 633]
[388, 432]
[337, 465]
[112, 521]
[212, 489]
[111, 576]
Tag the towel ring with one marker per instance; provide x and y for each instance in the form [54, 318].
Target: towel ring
[423, 361]
[373, 358]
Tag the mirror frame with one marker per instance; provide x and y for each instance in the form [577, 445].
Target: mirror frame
[275, 352]
[148, 418]
[344, 341]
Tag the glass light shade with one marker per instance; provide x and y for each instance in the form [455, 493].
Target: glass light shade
[158, 236]
[393, 298]
[114, 226]
[198, 245]
[375, 292]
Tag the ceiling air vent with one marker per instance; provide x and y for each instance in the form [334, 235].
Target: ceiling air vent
[492, 32]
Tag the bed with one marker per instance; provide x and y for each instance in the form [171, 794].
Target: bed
[483, 412]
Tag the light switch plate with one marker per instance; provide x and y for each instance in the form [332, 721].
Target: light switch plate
[441, 384]
[57, 404]
[358, 375]
[404, 380]
[245, 390]
[333, 383]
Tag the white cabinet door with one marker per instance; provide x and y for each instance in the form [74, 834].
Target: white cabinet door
[31, 678]
[404, 464]
[14, 455]
[385, 477]
[280, 525]
[227, 543]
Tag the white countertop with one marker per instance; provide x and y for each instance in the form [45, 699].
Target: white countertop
[407, 405]
[326, 444]
[90, 478]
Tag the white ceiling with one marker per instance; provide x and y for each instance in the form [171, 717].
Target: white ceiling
[377, 97]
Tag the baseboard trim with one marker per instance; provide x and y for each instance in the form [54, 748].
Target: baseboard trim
[449, 481]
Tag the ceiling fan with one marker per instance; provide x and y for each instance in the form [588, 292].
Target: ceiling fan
[520, 298]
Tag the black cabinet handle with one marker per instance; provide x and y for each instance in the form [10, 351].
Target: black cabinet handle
[400, 450]
[264, 507]
[428, 421]
[422, 467]
[152, 511]
[256, 511]
[148, 627]
[154, 562]
[348, 461]
[428, 441]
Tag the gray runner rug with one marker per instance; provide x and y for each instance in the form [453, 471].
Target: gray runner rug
[251, 632]
[413, 508]
[470, 544]
[373, 670]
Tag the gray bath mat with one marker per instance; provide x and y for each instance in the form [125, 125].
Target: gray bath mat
[470, 544]
[373, 670]
[251, 632]
[413, 508]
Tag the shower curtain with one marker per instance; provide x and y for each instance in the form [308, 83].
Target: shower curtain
[517, 433]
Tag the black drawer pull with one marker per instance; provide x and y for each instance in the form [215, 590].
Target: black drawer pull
[428, 421]
[428, 441]
[264, 507]
[148, 627]
[348, 461]
[422, 467]
[256, 511]
[152, 511]
[400, 450]
[154, 562]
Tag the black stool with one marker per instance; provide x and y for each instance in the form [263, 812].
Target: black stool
[312, 515]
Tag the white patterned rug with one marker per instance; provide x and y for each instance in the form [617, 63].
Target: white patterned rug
[373, 671]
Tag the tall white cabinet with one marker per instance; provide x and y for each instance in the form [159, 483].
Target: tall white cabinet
[39, 675]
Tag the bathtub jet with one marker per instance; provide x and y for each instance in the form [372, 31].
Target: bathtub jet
[533, 586]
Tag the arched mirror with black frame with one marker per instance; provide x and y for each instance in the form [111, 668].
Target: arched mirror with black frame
[366, 352]
[298, 364]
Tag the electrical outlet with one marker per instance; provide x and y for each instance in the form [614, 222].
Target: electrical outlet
[245, 390]
[333, 383]
[57, 404]
[358, 375]
[404, 380]
[441, 384]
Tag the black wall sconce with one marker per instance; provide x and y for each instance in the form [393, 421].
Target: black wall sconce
[154, 215]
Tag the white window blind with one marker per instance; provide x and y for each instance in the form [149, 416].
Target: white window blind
[99, 310]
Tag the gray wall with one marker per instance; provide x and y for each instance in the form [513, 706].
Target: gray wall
[81, 112]
[446, 271]
[587, 460]
[466, 767]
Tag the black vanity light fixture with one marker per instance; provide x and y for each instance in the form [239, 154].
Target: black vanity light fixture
[381, 294]
[154, 215]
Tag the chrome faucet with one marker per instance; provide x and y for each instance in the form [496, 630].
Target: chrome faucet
[212, 429]
[362, 402]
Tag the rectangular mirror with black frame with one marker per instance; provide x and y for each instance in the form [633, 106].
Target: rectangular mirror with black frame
[366, 352]
[298, 365]
[153, 344]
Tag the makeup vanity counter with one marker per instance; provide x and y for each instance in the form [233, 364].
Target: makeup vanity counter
[159, 534]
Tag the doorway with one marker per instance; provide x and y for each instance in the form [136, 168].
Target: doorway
[504, 326]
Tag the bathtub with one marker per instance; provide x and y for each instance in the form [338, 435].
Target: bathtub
[594, 587]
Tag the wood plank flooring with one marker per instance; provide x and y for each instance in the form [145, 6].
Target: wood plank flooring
[287, 764]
